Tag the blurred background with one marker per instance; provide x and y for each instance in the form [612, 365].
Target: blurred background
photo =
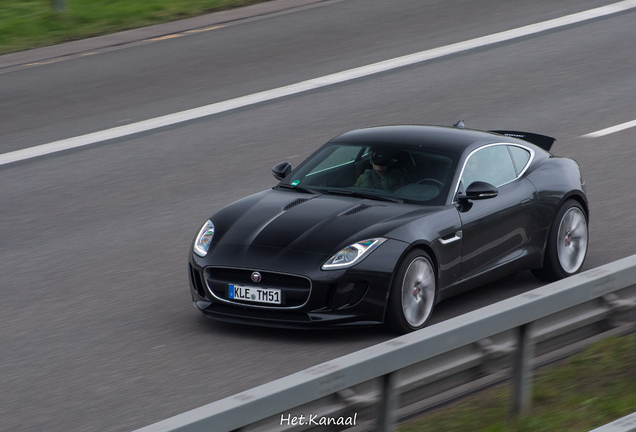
[26, 24]
[97, 330]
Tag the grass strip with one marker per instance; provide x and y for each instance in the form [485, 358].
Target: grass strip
[588, 390]
[26, 24]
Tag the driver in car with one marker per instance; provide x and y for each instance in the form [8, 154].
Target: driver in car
[384, 173]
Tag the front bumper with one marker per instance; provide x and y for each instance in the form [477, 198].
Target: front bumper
[347, 297]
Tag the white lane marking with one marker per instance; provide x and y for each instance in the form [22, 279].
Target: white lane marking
[240, 102]
[611, 130]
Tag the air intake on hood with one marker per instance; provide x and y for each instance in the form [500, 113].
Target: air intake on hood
[355, 210]
[295, 203]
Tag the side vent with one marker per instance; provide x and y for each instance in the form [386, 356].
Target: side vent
[295, 203]
[358, 292]
[195, 277]
[355, 210]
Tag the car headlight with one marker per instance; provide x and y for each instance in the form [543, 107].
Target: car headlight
[203, 240]
[352, 254]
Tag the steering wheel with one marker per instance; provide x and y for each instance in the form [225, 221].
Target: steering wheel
[433, 181]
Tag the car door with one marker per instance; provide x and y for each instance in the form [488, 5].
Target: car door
[496, 230]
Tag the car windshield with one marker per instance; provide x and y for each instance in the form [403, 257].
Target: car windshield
[388, 173]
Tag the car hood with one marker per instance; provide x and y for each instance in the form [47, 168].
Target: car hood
[310, 223]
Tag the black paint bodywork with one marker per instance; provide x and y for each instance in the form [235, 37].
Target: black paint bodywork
[288, 235]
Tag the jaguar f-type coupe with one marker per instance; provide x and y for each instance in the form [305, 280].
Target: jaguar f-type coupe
[381, 223]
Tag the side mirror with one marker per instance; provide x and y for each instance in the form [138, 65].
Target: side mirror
[281, 170]
[478, 191]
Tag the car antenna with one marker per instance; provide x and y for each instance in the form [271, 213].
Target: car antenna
[460, 124]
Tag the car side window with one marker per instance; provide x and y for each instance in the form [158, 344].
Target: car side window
[520, 157]
[491, 164]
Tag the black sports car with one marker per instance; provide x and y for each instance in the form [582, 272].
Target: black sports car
[381, 223]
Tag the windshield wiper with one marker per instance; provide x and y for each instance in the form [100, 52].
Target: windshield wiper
[369, 195]
[300, 189]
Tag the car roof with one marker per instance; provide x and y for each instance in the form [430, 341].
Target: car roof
[440, 138]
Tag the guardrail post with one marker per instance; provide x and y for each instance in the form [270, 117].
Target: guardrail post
[58, 5]
[522, 373]
[388, 403]
[633, 336]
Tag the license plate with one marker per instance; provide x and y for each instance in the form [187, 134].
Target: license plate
[259, 295]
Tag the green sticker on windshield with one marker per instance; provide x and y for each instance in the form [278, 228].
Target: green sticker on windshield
[295, 182]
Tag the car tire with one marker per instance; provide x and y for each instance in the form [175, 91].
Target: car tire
[413, 293]
[567, 243]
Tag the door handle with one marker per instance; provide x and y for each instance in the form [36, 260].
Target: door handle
[457, 236]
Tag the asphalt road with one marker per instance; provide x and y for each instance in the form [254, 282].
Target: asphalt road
[97, 332]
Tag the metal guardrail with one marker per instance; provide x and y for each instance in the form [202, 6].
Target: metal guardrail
[625, 424]
[427, 367]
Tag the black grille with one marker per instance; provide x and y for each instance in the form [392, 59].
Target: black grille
[269, 279]
[294, 289]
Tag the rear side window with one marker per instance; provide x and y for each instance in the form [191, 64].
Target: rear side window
[520, 157]
[491, 164]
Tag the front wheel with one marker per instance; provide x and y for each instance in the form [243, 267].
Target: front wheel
[567, 243]
[413, 293]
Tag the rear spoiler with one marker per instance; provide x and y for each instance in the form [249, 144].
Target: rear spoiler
[543, 141]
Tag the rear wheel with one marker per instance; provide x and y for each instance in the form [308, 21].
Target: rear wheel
[566, 247]
[413, 293]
